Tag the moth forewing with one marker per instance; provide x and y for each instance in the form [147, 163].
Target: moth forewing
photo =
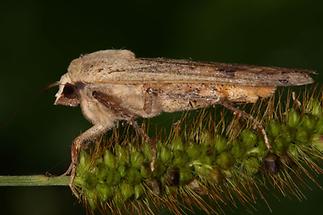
[121, 66]
[113, 85]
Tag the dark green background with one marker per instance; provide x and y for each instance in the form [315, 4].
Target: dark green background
[38, 39]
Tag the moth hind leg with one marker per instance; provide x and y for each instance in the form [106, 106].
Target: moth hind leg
[248, 116]
[153, 144]
[151, 105]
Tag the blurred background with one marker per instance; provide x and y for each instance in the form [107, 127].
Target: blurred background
[38, 39]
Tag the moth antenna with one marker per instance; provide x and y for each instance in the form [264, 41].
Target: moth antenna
[49, 86]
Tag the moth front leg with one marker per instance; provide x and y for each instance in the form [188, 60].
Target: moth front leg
[78, 143]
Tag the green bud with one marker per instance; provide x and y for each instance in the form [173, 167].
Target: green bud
[101, 173]
[194, 151]
[274, 128]
[177, 144]
[86, 180]
[139, 191]
[206, 160]
[202, 170]
[122, 155]
[145, 171]
[104, 192]
[180, 158]
[109, 159]
[147, 151]
[99, 161]
[280, 145]
[118, 198]
[292, 118]
[319, 126]
[126, 191]
[293, 151]
[309, 122]
[237, 150]
[317, 141]
[83, 160]
[136, 159]
[91, 199]
[302, 136]
[165, 155]
[133, 176]
[251, 165]
[185, 175]
[287, 133]
[113, 178]
[248, 138]
[122, 170]
[225, 160]
[314, 107]
[220, 144]
[205, 149]
[260, 150]
[160, 169]
[84, 165]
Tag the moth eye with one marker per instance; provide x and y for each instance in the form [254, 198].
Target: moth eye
[69, 91]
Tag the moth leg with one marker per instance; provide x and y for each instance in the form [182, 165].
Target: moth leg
[152, 143]
[245, 115]
[77, 145]
[150, 97]
[139, 130]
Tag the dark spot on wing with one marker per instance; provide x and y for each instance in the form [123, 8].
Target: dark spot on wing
[100, 70]
[283, 81]
[228, 71]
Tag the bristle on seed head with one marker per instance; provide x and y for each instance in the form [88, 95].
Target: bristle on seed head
[209, 160]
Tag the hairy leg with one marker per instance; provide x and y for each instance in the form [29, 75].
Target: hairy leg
[152, 143]
[245, 115]
[90, 134]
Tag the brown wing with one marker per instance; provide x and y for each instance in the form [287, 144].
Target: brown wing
[121, 67]
[250, 75]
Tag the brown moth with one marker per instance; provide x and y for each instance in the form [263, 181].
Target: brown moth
[113, 85]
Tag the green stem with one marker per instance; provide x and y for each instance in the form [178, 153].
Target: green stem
[34, 180]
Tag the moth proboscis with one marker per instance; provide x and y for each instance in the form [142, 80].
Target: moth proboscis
[114, 85]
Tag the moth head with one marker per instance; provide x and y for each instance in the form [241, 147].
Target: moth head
[67, 94]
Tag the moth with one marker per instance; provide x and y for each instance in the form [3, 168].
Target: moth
[114, 85]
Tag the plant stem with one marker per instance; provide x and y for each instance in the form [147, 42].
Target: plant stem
[34, 180]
